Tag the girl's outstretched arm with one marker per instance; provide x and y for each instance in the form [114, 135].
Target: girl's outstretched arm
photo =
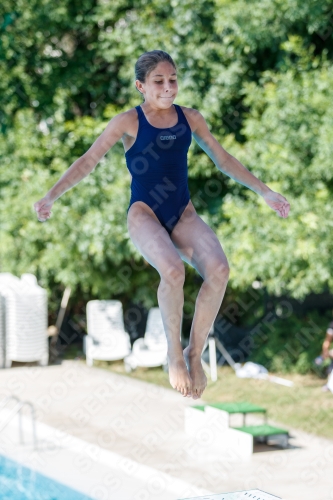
[230, 166]
[82, 167]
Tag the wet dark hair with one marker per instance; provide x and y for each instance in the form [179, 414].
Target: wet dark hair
[148, 61]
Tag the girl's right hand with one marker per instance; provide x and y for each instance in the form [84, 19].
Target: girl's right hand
[43, 209]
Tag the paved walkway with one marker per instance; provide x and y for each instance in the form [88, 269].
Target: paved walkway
[144, 423]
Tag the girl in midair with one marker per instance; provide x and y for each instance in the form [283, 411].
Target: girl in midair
[161, 219]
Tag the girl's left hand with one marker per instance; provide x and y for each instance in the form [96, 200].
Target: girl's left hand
[43, 209]
[278, 203]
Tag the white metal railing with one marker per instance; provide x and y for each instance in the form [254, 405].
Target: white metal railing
[211, 369]
[17, 409]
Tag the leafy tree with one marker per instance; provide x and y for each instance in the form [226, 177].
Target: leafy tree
[260, 72]
[287, 145]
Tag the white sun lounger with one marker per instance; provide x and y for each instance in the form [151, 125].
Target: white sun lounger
[24, 320]
[2, 332]
[107, 339]
[151, 350]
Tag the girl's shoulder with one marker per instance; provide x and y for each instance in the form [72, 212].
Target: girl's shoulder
[192, 115]
[128, 115]
[126, 121]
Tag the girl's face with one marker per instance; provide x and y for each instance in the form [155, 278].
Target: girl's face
[160, 88]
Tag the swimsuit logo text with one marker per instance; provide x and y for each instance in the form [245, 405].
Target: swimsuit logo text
[167, 137]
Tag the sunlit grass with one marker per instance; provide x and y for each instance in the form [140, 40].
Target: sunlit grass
[303, 406]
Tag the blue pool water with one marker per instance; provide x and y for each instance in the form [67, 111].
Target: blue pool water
[20, 483]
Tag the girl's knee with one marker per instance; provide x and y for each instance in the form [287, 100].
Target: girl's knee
[218, 269]
[223, 269]
[173, 273]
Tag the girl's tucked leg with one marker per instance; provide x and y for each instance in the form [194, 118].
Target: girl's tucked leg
[155, 245]
[198, 245]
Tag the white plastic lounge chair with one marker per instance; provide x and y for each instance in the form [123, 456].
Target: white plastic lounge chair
[2, 332]
[107, 339]
[25, 319]
[151, 350]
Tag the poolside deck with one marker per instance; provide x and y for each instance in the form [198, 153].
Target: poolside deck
[135, 428]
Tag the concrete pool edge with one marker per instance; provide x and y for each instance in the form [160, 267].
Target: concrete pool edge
[58, 449]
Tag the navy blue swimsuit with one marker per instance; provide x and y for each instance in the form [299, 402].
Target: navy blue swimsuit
[157, 162]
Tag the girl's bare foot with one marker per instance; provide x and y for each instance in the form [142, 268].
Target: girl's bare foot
[179, 376]
[197, 374]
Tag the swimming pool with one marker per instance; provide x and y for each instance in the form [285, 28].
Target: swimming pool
[17, 482]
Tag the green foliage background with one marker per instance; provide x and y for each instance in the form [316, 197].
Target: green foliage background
[260, 72]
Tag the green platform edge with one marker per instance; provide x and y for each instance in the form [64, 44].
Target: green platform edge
[198, 407]
[262, 430]
[240, 407]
